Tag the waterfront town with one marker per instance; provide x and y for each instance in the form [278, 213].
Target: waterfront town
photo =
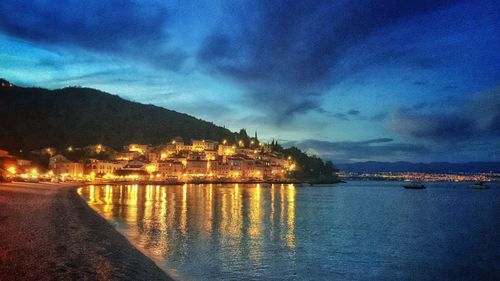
[174, 162]
[178, 161]
[415, 176]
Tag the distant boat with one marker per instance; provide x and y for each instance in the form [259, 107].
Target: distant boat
[414, 185]
[479, 185]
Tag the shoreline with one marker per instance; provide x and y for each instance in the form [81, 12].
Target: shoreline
[50, 233]
[148, 182]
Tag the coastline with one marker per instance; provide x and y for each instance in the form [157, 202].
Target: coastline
[48, 232]
[153, 182]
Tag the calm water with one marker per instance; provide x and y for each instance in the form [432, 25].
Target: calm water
[353, 231]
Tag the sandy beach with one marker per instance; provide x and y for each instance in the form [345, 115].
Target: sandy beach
[47, 232]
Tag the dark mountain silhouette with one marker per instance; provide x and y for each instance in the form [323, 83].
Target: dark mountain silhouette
[32, 118]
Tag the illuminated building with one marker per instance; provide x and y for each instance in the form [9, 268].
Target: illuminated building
[101, 167]
[59, 165]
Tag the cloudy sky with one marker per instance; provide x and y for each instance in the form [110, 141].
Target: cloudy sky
[351, 81]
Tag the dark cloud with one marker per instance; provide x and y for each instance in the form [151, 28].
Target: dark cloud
[420, 83]
[375, 149]
[115, 27]
[353, 112]
[379, 116]
[283, 51]
[476, 117]
[448, 88]
[420, 105]
[437, 126]
[341, 116]
[344, 116]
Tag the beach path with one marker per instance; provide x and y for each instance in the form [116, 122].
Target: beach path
[47, 232]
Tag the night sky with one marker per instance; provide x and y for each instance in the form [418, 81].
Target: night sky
[383, 80]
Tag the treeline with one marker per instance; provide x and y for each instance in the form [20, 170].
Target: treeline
[32, 118]
[310, 168]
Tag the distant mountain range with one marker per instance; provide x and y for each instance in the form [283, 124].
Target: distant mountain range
[433, 167]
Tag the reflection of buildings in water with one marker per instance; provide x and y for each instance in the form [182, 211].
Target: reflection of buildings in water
[131, 207]
[224, 215]
[254, 214]
[255, 227]
[152, 221]
[183, 211]
[282, 204]
[236, 222]
[120, 200]
[271, 214]
[207, 202]
[108, 202]
[286, 213]
[157, 195]
[290, 237]
[165, 245]
[147, 220]
[237, 214]
[231, 212]
[92, 194]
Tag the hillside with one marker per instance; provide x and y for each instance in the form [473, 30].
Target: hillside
[32, 118]
[35, 118]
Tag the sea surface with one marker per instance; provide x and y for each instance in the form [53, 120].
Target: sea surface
[354, 231]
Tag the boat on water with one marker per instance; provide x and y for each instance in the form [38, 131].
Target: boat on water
[414, 185]
[479, 185]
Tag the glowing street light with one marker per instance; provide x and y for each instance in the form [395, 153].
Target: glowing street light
[151, 168]
[12, 169]
[99, 148]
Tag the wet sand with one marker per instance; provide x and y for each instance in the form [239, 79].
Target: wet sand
[47, 232]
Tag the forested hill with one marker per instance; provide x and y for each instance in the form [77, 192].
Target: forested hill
[35, 118]
[32, 118]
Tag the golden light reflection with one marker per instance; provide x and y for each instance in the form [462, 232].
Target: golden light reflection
[172, 208]
[131, 202]
[108, 202]
[254, 214]
[224, 215]
[92, 194]
[238, 217]
[255, 228]
[208, 214]
[183, 214]
[271, 214]
[148, 207]
[290, 237]
[282, 204]
[236, 212]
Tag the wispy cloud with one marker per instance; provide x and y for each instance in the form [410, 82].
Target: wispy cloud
[350, 151]
[286, 54]
[476, 117]
[122, 29]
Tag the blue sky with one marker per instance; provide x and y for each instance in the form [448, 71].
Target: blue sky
[351, 81]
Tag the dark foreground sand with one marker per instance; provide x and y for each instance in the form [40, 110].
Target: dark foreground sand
[47, 232]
